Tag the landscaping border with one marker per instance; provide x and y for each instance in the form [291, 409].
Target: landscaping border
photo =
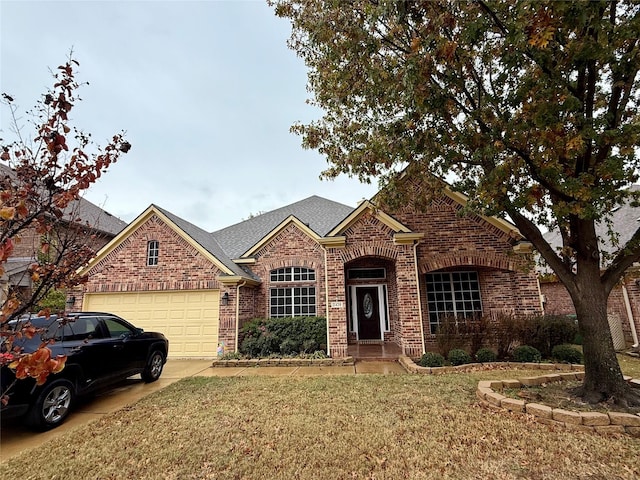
[488, 394]
[284, 362]
[594, 422]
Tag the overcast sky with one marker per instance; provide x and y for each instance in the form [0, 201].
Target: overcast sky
[205, 90]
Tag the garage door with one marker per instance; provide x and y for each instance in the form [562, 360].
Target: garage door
[189, 319]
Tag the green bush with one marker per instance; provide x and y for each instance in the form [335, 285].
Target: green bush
[431, 359]
[486, 355]
[547, 331]
[566, 353]
[263, 337]
[457, 356]
[289, 347]
[526, 353]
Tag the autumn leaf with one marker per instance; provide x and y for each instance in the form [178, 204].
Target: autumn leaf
[7, 213]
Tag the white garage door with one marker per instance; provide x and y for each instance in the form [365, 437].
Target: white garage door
[189, 319]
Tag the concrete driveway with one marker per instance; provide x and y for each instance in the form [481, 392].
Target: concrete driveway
[14, 437]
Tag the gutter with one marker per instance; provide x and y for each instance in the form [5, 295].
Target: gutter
[632, 323]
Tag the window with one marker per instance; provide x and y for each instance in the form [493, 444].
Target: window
[366, 273]
[293, 274]
[452, 294]
[116, 329]
[80, 328]
[293, 301]
[153, 252]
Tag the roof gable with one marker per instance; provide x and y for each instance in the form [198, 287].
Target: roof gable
[317, 214]
[198, 238]
[368, 207]
[288, 221]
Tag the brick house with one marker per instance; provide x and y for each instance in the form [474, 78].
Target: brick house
[376, 276]
[623, 306]
[81, 218]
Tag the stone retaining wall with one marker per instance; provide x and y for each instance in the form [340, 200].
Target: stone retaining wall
[488, 392]
[412, 367]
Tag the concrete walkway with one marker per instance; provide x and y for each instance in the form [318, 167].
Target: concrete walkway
[15, 438]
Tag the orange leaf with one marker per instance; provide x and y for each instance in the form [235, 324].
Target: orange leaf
[7, 213]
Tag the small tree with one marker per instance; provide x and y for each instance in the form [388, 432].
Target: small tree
[530, 108]
[41, 182]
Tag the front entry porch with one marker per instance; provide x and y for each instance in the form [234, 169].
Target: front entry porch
[378, 351]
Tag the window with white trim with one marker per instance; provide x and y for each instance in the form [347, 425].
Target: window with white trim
[293, 274]
[153, 252]
[292, 300]
[454, 295]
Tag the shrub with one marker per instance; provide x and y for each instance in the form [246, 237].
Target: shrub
[526, 353]
[448, 336]
[289, 347]
[475, 331]
[264, 337]
[457, 356]
[486, 355]
[545, 332]
[507, 333]
[431, 359]
[566, 353]
[310, 346]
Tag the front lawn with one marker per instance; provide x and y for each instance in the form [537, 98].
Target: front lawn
[337, 427]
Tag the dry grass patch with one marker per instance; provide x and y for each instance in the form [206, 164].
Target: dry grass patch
[342, 427]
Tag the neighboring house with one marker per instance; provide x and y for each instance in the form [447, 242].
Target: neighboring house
[376, 276]
[98, 226]
[624, 301]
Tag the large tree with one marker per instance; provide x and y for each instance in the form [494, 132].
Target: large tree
[528, 107]
[42, 177]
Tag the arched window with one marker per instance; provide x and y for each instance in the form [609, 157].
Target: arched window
[293, 292]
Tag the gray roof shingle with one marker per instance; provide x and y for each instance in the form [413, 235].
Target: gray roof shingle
[626, 220]
[84, 211]
[206, 241]
[320, 214]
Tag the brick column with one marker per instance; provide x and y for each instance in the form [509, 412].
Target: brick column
[336, 304]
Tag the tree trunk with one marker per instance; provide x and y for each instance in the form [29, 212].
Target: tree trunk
[603, 379]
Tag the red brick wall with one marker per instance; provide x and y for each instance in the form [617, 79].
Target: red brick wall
[290, 248]
[467, 242]
[369, 238]
[558, 302]
[180, 265]
[27, 245]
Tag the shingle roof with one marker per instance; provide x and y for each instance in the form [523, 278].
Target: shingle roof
[626, 220]
[95, 217]
[320, 214]
[85, 212]
[206, 241]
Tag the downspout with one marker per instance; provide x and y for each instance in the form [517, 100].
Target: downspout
[238, 313]
[415, 262]
[632, 323]
[326, 297]
[540, 295]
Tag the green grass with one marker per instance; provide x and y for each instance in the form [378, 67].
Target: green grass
[336, 427]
